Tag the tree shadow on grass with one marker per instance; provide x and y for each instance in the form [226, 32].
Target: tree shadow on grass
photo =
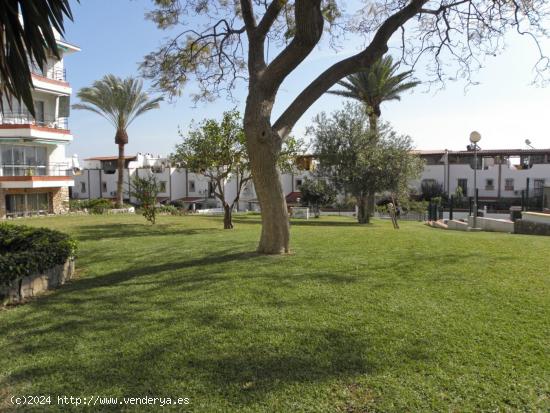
[136, 346]
[107, 231]
[314, 222]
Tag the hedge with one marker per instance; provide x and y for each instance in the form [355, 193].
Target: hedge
[26, 250]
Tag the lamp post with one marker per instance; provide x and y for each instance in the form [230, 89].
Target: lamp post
[475, 137]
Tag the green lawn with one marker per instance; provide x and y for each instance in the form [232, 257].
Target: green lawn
[357, 319]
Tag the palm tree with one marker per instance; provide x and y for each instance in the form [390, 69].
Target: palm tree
[120, 101]
[376, 84]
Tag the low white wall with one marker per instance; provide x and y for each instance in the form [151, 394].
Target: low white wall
[491, 224]
[457, 225]
[537, 217]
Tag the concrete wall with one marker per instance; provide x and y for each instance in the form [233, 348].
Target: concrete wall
[536, 217]
[491, 224]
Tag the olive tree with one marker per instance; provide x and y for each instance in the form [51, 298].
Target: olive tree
[361, 161]
[261, 42]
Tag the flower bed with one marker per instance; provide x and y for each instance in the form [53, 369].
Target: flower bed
[27, 253]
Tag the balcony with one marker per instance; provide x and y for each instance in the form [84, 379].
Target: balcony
[51, 80]
[44, 126]
[35, 176]
[42, 120]
[59, 75]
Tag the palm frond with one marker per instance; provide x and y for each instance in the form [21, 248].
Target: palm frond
[120, 101]
[376, 84]
[26, 38]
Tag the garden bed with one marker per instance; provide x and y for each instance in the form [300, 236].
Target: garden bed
[33, 260]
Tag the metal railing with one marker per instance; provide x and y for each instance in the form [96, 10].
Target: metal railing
[50, 72]
[25, 118]
[53, 169]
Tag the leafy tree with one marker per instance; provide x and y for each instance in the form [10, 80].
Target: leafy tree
[259, 42]
[316, 193]
[359, 163]
[217, 150]
[120, 101]
[26, 39]
[377, 84]
[146, 189]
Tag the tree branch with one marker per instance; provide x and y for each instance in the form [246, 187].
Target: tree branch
[270, 16]
[309, 28]
[375, 50]
[248, 16]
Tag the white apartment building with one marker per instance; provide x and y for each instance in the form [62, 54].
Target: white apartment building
[98, 179]
[35, 174]
[502, 174]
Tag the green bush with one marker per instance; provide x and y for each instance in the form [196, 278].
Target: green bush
[95, 206]
[169, 209]
[27, 250]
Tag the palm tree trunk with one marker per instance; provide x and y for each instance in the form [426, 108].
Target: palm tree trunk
[120, 181]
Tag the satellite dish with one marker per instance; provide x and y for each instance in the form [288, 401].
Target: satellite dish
[527, 142]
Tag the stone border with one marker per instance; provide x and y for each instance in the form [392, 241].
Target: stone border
[531, 228]
[30, 286]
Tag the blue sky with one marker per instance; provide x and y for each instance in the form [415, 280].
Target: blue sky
[114, 37]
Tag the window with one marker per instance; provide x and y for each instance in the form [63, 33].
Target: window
[191, 186]
[489, 184]
[83, 187]
[27, 204]
[508, 184]
[109, 167]
[538, 186]
[298, 183]
[104, 186]
[463, 183]
[39, 109]
[162, 186]
[19, 160]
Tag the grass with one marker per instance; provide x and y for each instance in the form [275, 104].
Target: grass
[356, 319]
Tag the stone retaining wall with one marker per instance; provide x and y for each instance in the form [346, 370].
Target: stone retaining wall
[531, 228]
[32, 285]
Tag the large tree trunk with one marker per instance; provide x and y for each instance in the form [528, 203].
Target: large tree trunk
[371, 203]
[275, 227]
[227, 216]
[120, 180]
[362, 209]
[264, 146]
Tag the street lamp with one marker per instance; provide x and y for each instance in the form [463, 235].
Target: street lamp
[475, 137]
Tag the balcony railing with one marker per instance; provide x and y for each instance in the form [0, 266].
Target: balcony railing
[54, 74]
[53, 169]
[25, 118]
[49, 72]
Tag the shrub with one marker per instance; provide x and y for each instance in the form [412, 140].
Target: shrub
[27, 250]
[168, 209]
[146, 190]
[95, 206]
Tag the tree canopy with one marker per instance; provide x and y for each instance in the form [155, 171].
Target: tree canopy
[358, 162]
